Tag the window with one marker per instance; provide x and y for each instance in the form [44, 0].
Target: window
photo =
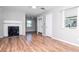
[71, 22]
[70, 18]
[29, 23]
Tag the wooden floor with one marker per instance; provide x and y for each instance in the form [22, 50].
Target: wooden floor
[38, 44]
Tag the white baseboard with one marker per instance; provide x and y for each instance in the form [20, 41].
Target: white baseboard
[59, 39]
[1, 36]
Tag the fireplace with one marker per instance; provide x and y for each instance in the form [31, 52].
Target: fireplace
[13, 30]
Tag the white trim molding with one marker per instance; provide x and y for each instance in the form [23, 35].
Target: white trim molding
[12, 21]
[65, 41]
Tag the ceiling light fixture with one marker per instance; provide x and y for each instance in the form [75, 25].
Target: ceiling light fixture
[33, 7]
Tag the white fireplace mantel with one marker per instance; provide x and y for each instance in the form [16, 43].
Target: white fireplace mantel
[12, 23]
[9, 21]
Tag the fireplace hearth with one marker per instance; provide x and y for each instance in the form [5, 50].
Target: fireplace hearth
[13, 31]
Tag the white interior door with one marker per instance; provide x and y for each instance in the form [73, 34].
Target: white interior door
[44, 25]
[49, 25]
[39, 24]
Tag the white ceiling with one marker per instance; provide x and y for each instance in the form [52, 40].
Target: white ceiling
[29, 10]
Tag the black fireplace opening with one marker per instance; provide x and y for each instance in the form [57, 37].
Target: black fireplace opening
[13, 31]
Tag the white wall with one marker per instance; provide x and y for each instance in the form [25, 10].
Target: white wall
[58, 29]
[70, 35]
[15, 15]
[1, 22]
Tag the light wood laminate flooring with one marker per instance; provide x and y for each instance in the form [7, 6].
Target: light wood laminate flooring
[36, 43]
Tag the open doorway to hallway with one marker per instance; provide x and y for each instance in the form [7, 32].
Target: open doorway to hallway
[30, 26]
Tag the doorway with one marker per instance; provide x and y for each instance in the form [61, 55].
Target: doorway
[31, 27]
